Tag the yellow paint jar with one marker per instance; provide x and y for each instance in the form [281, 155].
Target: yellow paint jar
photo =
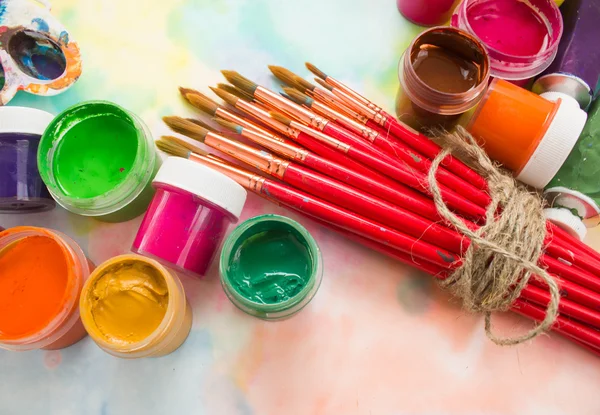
[132, 307]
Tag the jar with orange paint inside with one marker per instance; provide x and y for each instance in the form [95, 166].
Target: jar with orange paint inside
[42, 272]
[531, 135]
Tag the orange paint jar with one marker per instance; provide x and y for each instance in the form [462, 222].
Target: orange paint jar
[531, 135]
[41, 275]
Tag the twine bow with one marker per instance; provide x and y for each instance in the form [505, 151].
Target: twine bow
[504, 252]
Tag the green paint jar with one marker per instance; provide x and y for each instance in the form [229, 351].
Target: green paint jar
[98, 159]
[271, 267]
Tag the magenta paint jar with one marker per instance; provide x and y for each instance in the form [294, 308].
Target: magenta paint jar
[427, 12]
[521, 37]
[187, 219]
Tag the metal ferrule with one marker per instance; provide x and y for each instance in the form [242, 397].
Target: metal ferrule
[324, 138]
[281, 103]
[283, 149]
[346, 122]
[244, 178]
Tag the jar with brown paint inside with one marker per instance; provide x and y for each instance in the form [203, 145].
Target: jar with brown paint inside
[443, 74]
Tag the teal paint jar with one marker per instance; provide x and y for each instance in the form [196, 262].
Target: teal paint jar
[98, 159]
[271, 267]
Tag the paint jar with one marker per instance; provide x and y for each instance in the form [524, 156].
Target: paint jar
[133, 307]
[427, 12]
[189, 215]
[98, 160]
[443, 74]
[521, 37]
[271, 267]
[574, 193]
[527, 133]
[21, 187]
[576, 68]
[41, 275]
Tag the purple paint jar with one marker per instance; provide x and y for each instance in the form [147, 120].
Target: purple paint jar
[576, 68]
[188, 216]
[427, 12]
[21, 187]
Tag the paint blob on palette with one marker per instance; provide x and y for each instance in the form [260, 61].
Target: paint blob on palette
[36, 52]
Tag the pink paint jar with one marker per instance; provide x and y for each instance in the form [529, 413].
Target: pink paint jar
[427, 12]
[521, 37]
[188, 216]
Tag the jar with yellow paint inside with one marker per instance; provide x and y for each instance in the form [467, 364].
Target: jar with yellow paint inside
[133, 307]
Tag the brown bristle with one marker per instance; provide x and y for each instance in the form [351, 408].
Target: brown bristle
[316, 70]
[200, 123]
[235, 91]
[185, 91]
[229, 125]
[323, 84]
[182, 126]
[203, 103]
[172, 148]
[225, 96]
[303, 84]
[298, 97]
[183, 143]
[281, 118]
[238, 80]
[283, 74]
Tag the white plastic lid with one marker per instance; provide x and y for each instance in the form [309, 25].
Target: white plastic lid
[572, 199]
[557, 142]
[24, 120]
[204, 182]
[564, 219]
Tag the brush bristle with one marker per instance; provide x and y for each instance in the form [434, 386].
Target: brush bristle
[225, 96]
[302, 84]
[200, 123]
[190, 147]
[281, 118]
[323, 84]
[316, 70]
[229, 125]
[298, 97]
[238, 80]
[172, 148]
[188, 128]
[203, 103]
[185, 91]
[283, 74]
[235, 91]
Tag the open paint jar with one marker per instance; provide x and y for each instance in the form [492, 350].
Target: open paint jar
[427, 12]
[98, 160]
[521, 37]
[443, 74]
[41, 276]
[189, 215]
[134, 307]
[21, 187]
[271, 267]
[527, 133]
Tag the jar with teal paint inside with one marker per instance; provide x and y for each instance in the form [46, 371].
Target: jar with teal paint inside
[98, 159]
[271, 267]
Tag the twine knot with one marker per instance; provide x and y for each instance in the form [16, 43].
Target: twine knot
[504, 252]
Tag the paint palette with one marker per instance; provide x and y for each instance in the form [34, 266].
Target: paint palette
[36, 52]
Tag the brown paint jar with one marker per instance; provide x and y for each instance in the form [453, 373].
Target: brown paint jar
[443, 74]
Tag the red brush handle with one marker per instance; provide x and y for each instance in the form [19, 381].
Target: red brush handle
[570, 273]
[358, 224]
[370, 207]
[572, 291]
[577, 246]
[418, 181]
[428, 148]
[423, 164]
[392, 192]
[345, 136]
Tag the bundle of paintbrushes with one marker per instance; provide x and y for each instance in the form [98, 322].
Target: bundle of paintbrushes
[341, 160]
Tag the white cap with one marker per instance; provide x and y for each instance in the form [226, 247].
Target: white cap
[559, 196]
[564, 219]
[24, 120]
[204, 182]
[557, 142]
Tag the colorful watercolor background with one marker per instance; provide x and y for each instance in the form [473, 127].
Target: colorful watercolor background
[379, 338]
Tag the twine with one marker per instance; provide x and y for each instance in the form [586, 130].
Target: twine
[504, 252]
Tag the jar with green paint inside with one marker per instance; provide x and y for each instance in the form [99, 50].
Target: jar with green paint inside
[271, 267]
[98, 159]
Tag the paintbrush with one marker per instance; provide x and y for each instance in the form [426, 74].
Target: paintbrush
[297, 200]
[413, 179]
[410, 137]
[394, 149]
[326, 211]
[324, 187]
